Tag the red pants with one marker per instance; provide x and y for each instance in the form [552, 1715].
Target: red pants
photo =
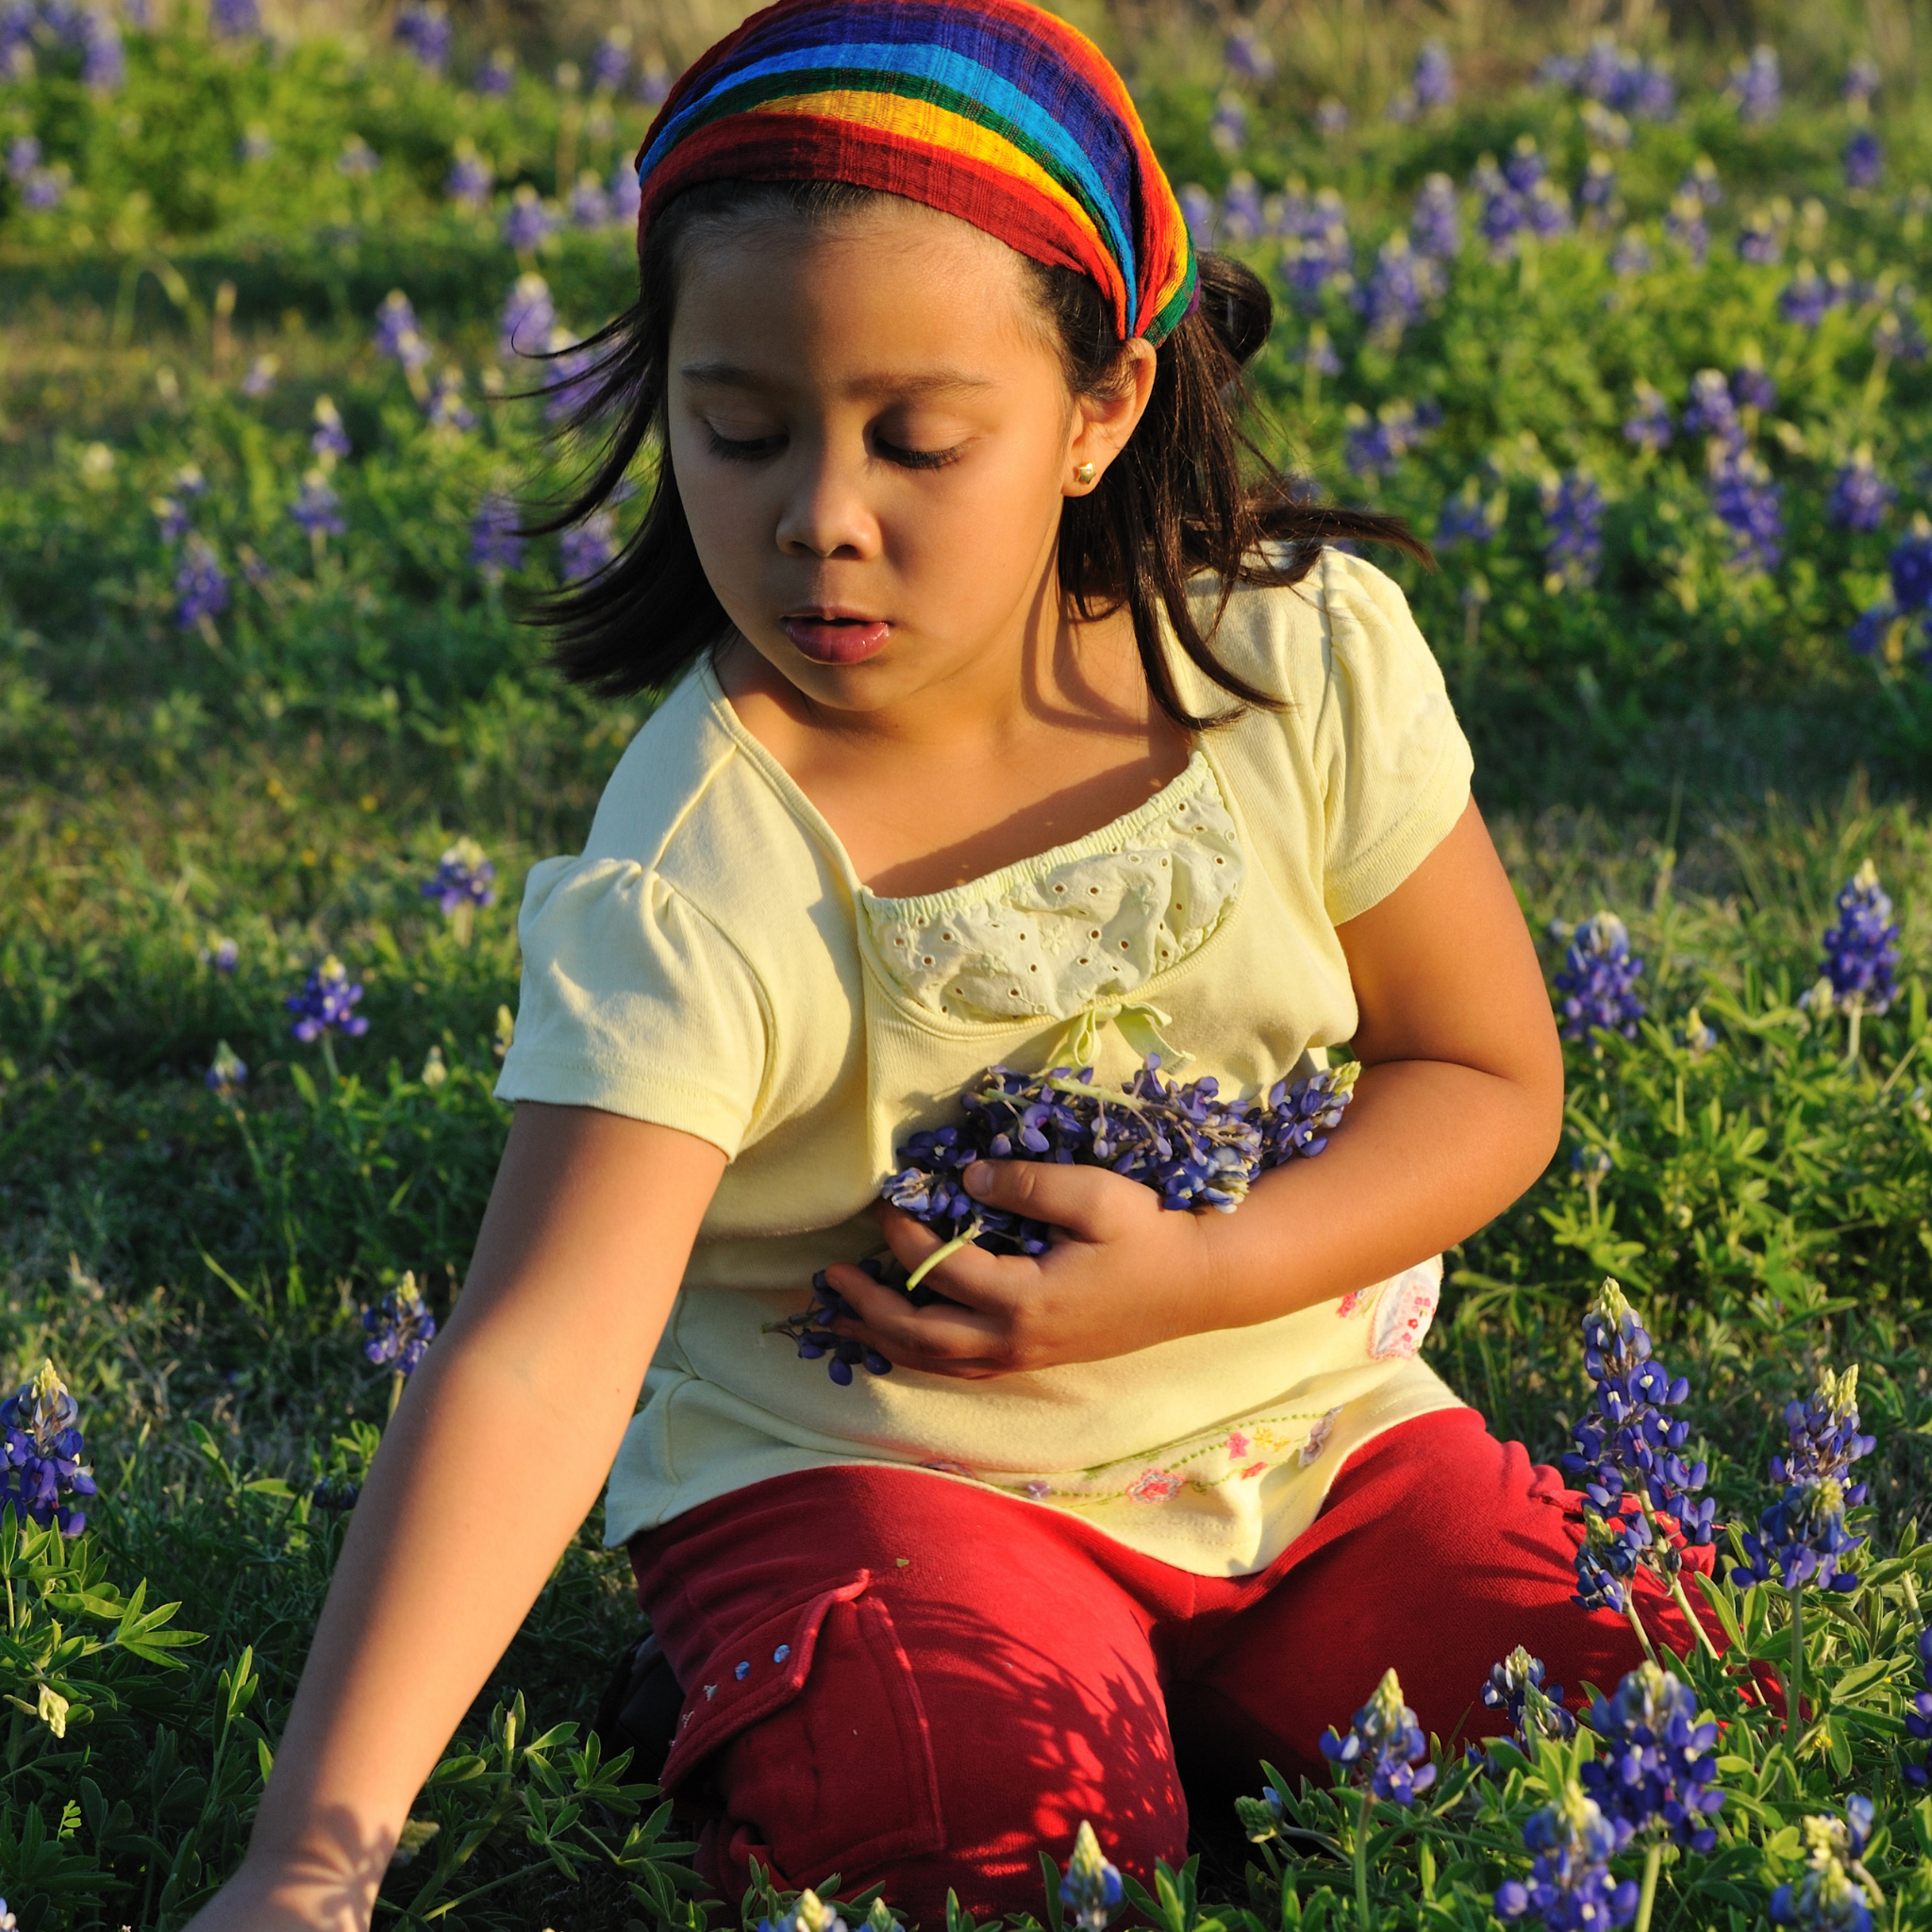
[910, 1682]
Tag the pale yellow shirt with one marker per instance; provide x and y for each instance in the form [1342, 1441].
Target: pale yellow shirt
[712, 963]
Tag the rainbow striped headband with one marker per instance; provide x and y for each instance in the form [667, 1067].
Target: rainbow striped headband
[994, 111]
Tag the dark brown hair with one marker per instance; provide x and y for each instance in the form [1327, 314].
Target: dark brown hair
[1190, 494]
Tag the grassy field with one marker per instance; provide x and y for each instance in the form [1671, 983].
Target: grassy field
[1670, 718]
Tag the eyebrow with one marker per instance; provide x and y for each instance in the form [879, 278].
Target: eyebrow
[929, 382]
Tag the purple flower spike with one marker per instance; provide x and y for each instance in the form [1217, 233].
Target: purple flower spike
[1862, 950]
[330, 441]
[1649, 426]
[498, 73]
[1384, 1747]
[1535, 1709]
[423, 28]
[1433, 83]
[1573, 523]
[326, 1005]
[201, 585]
[396, 333]
[1435, 223]
[1836, 1891]
[1860, 495]
[226, 1072]
[1864, 160]
[1598, 980]
[1655, 1767]
[1570, 1887]
[463, 877]
[400, 1327]
[1091, 1889]
[42, 1477]
[496, 545]
[527, 223]
[318, 510]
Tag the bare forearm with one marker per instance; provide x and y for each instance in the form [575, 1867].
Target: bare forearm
[479, 1486]
[1427, 1153]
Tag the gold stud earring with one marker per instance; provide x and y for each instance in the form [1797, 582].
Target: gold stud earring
[1084, 473]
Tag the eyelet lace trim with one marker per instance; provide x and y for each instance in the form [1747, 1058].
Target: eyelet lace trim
[1086, 922]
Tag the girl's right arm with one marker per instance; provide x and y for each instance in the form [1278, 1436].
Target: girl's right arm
[494, 1458]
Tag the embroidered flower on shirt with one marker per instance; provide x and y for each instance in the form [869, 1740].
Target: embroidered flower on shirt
[1355, 1302]
[1252, 1470]
[1238, 1445]
[1153, 1486]
[1038, 1491]
[1317, 1438]
[1403, 1314]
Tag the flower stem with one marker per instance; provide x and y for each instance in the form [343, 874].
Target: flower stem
[1636, 1624]
[1691, 1617]
[329, 1056]
[1646, 1899]
[1856, 1011]
[396, 1393]
[1795, 1681]
[964, 1239]
[1365, 1919]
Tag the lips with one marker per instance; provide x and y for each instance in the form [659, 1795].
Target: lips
[835, 637]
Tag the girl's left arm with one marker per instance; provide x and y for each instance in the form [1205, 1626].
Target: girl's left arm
[1458, 1110]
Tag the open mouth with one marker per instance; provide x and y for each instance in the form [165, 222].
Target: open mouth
[836, 638]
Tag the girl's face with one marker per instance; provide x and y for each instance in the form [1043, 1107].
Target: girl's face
[872, 434]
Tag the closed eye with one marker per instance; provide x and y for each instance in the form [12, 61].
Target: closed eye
[918, 458]
[735, 451]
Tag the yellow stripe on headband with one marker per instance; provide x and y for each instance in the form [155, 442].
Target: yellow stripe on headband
[940, 127]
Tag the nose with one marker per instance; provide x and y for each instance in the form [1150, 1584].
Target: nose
[826, 513]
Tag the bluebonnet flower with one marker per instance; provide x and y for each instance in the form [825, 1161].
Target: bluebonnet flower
[1912, 568]
[470, 177]
[1468, 518]
[326, 1005]
[172, 521]
[1248, 55]
[1762, 239]
[1837, 1893]
[255, 145]
[498, 73]
[1879, 631]
[330, 439]
[817, 1342]
[1823, 1435]
[1573, 509]
[1598, 190]
[528, 317]
[1227, 127]
[446, 409]
[590, 207]
[1547, 210]
[1598, 980]
[1897, 334]
[1701, 182]
[318, 509]
[1319, 253]
[1374, 443]
[526, 223]
[1861, 82]
[1713, 411]
[423, 28]
[624, 192]
[1241, 213]
[1684, 224]
[1631, 255]
[1434, 79]
[226, 1071]
[585, 548]
[261, 378]
[569, 384]
[497, 546]
[1319, 355]
[653, 83]
[1435, 227]
[1331, 118]
[1535, 1709]
[1649, 426]
[1862, 950]
[1384, 1748]
[1090, 1888]
[357, 159]
[1655, 1767]
[1757, 85]
[1802, 1538]
[222, 953]
[398, 334]
[1526, 166]
[1570, 1887]
[1753, 388]
[233, 20]
[400, 1327]
[201, 585]
[23, 158]
[104, 60]
[1750, 504]
[1499, 212]
[464, 877]
[1864, 159]
[42, 1476]
[1806, 296]
[610, 62]
[1401, 283]
[1200, 213]
[809, 1913]
[1919, 1713]
[1699, 1037]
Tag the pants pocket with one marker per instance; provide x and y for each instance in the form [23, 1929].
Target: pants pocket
[804, 1742]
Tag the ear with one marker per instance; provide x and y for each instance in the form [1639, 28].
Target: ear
[1102, 423]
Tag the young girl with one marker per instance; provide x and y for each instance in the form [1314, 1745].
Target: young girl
[1003, 722]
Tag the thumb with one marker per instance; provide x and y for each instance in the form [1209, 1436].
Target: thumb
[1080, 1199]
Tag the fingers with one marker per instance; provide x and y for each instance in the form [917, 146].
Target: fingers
[1088, 1202]
[941, 1338]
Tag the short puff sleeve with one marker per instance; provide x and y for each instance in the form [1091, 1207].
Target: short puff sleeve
[1391, 761]
[634, 1002]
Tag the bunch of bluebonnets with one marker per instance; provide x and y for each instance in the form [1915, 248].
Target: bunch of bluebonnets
[1598, 980]
[44, 1477]
[1193, 1147]
[1570, 1884]
[1535, 1709]
[400, 1327]
[1836, 1890]
[1802, 1538]
[1383, 1750]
